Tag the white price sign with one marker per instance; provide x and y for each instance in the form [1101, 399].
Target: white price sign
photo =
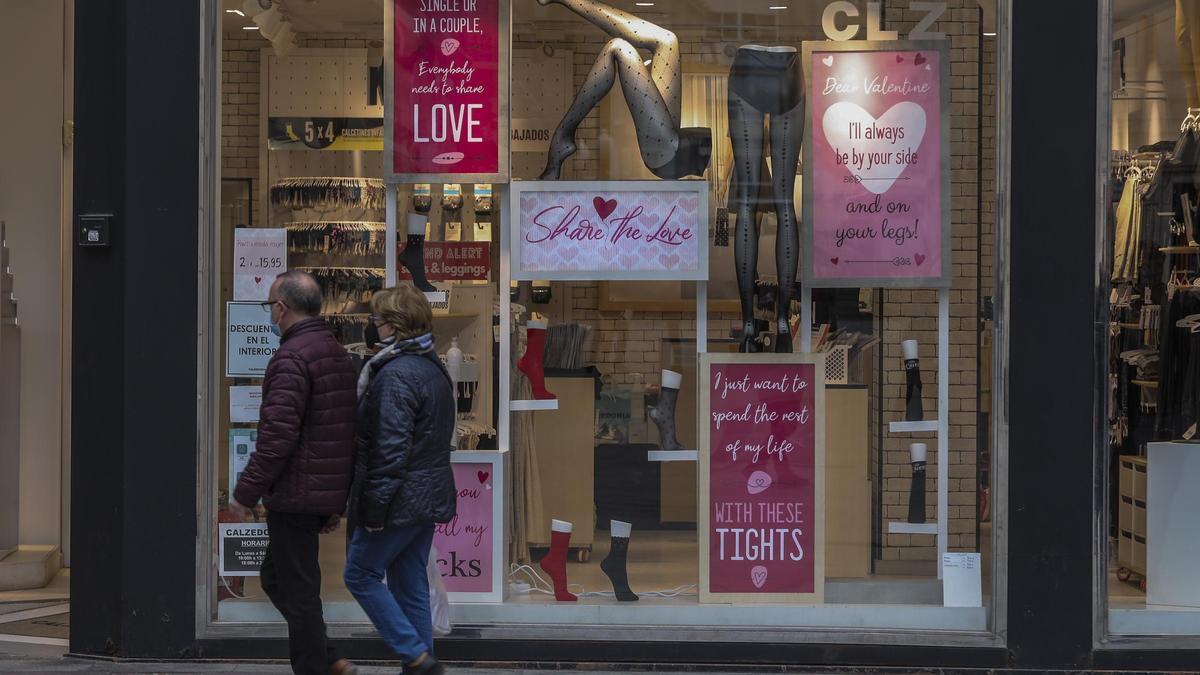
[259, 255]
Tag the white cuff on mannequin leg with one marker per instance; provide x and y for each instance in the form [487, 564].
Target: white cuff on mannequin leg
[910, 348]
[536, 325]
[620, 529]
[918, 452]
[561, 526]
[416, 224]
[671, 379]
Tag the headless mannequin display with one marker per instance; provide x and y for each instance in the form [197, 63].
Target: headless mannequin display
[654, 94]
[766, 81]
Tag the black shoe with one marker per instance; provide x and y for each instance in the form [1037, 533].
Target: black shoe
[430, 666]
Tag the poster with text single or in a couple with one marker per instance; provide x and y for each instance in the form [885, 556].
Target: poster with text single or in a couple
[876, 168]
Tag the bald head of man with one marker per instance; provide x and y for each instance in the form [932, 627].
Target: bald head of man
[294, 297]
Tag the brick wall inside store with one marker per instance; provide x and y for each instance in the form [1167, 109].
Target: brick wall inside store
[625, 345]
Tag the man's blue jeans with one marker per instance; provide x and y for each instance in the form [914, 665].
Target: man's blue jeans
[399, 609]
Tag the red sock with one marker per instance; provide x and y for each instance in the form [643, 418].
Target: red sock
[531, 364]
[555, 564]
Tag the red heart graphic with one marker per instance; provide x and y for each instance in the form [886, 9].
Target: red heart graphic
[258, 280]
[483, 476]
[919, 60]
[834, 260]
[604, 208]
[920, 258]
[899, 59]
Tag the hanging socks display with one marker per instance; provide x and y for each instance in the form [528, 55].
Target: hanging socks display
[555, 562]
[532, 363]
[912, 383]
[413, 255]
[916, 495]
[663, 414]
[614, 563]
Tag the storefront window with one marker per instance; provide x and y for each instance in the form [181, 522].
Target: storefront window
[1150, 292]
[720, 277]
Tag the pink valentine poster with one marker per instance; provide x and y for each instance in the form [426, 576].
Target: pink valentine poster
[762, 478]
[876, 190]
[445, 113]
[610, 230]
[465, 544]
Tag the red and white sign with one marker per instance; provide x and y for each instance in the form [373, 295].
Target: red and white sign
[762, 478]
[446, 92]
[259, 255]
[451, 261]
[878, 210]
[605, 230]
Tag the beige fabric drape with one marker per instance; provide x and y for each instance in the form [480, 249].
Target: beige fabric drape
[525, 505]
[1187, 38]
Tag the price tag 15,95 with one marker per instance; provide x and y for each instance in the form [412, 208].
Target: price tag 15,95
[259, 255]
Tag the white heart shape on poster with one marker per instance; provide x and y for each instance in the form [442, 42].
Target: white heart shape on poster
[841, 117]
[828, 61]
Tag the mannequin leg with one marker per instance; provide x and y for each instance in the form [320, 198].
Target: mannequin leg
[658, 133]
[614, 564]
[555, 562]
[787, 134]
[663, 414]
[746, 134]
[666, 68]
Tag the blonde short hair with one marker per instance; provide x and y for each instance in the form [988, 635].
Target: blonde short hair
[405, 309]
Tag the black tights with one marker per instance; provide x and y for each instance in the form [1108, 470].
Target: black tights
[746, 133]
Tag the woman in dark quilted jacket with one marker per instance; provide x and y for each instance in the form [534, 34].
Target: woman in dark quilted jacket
[403, 482]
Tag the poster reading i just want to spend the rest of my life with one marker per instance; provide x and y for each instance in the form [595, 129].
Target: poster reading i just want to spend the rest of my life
[762, 478]
[876, 183]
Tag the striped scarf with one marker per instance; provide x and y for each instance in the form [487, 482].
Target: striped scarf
[422, 344]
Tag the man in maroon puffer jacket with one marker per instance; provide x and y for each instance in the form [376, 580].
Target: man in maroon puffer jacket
[303, 463]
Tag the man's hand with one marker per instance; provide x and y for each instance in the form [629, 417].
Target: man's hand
[241, 513]
[331, 524]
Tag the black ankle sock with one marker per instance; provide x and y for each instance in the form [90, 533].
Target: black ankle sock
[613, 567]
[413, 259]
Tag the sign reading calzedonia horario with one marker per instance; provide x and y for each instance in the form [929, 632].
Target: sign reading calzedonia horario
[877, 192]
[447, 90]
[609, 230]
[762, 478]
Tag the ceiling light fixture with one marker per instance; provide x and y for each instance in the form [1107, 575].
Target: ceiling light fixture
[989, 35]
[777, 7]
[235, 11]
[249, 27]
[644, 4]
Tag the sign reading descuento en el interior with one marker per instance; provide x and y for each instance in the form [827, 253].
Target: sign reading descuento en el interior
[762, 478]
[877, 198]
[447, 84]
[609, 230]
[249, 342]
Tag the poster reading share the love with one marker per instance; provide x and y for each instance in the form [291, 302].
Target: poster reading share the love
[762, 478]
[614, 230]
[877, 213]
[444, 116]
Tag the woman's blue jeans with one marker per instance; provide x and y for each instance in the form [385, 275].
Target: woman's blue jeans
[400, 608]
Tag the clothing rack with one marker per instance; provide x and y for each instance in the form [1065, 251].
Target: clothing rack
[330, 191]
[351, 225]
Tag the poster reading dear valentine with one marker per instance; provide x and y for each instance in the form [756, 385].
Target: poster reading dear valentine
[877, 212]
[465, 545]
[445, 114]
[762, 475]
[622, 230]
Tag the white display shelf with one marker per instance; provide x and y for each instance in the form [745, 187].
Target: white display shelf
[672, 455]
[532, 404]
[912, 427]
[912, 528]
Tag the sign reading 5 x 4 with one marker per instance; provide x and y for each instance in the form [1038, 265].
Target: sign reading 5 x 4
[325, 133]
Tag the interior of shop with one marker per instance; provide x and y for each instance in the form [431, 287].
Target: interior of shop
[616, 457]
[1154, 256]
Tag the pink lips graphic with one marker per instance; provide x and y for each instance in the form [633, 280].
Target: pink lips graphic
[448, 158]
[759, 482]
